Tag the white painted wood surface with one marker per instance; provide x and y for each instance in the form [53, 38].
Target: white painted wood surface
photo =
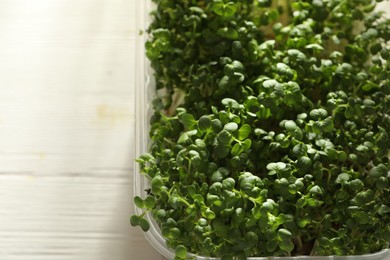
[67, 84]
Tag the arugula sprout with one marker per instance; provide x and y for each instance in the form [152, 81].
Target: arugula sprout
[273, 136]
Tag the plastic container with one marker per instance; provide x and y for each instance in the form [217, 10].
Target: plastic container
[144, 95]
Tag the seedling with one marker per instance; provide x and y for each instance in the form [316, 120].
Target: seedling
[273, 136]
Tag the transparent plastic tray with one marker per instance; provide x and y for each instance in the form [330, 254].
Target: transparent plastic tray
[145, 92]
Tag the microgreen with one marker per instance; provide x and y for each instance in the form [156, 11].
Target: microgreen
[272, 136]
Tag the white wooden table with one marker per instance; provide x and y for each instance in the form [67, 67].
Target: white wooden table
[67, 84]
[67, 70]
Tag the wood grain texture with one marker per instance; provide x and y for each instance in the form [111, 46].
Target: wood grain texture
[67, 84]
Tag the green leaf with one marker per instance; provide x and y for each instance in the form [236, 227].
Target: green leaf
[160, 214]
[203, 222]
[230, 198]
[301, 202]
[228, 33]
[228, 184]
[216, 125]
[293, 129]
[290, 126]
[315, 46]
[384, 209]
[237, 149]
[216, 188]
[220, 228]
[216, 176]
[272, 14]
[246, 144]
[285, 70]
[375, 48]
[297, 134]
[198, 198]
[170, 232]
[251, 238]
[349, 112]
[151, 52]
[139, 221]
[231, 127]
[161, 33]
[271, 84]
[230, 103]
[378, 171]
[324, 144]
[285, 242]
[173, 201]
[244, 132]
[139, 202]
[361, 217]
[278, 166]
[287, 246]
[316, 190]
[200, 144]
[337, 242]
[318, 113]
[356, 185]
[292, 188]
[369, 86]
[188, 120]
[304, 162]
[362, 148]
[267, 206]
[385, 53]
[134, 220]
[312, 202]
[213, 199]
[300, 149]
[284, 234]
[156, 184]
[150, 202]
[225, 137]
[272, 245]
[257, 212]
[343, 177]
[382, 183]
[302, 222]
[224, 10]
[181, 252]
[264, 112]
[369, 34]
[195, 157]
[332, 154]
[204, 123]
[224, 82]
[248, 182]
[296, 55]
[326, 125]
[341, 156]
[364, 197]
[184, 138]
[229, 70]
[208, 213]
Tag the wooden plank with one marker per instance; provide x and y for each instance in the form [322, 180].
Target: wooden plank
[67, 82]
[68, 218]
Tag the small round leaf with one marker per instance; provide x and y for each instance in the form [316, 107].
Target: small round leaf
[181, 252]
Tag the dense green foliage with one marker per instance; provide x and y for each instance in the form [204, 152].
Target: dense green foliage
[271, 133]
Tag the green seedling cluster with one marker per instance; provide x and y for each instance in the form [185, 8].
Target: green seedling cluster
[270, 135]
